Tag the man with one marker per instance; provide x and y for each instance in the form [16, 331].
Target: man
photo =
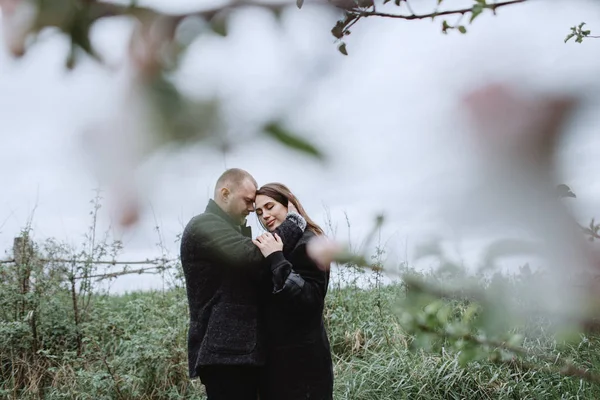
[224, 273]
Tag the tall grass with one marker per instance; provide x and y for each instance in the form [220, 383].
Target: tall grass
[64, 341]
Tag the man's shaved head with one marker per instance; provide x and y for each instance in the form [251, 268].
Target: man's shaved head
[234, 193]
[232, 178]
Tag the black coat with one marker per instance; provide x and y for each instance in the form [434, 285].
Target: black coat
[223, 272]
[299, 364]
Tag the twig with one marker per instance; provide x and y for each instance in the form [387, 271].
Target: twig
[110, 371]
[86, 261]
[109, 275]
[158, 264]
[434, 14]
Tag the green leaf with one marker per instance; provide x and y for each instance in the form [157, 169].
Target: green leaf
[288, 139]
[342, 49]
[462, 29]
[475, 12]
[338, 30]
[218, 24]
[569, 37]
[445, 27]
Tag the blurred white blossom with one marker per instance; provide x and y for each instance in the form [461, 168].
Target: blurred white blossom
[515, 137]
[324, 251]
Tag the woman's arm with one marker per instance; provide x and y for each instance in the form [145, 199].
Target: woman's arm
[306, 285]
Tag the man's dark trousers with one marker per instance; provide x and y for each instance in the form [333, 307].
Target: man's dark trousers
[230, 382]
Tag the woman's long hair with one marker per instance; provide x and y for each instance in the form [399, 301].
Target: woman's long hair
[281, 194]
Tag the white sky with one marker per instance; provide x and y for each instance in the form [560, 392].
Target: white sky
[386, 115]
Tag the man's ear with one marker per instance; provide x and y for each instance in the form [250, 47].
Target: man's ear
[225, 193]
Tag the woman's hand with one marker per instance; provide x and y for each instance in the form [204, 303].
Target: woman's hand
[268, 243]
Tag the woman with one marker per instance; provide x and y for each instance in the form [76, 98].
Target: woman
[299, 364]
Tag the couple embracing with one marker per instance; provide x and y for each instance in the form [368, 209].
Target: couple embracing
[256, 306]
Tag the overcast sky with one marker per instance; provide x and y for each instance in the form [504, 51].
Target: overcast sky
[387, 116]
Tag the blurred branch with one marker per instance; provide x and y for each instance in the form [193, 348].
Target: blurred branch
[100, 9]
[75, 19]
[555, 364]
[499, 351]
[25, 18]
[588, 324]
[419, 285]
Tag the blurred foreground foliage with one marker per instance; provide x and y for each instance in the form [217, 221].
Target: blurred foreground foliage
[159, 41]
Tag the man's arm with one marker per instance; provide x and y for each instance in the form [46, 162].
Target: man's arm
[233, 248]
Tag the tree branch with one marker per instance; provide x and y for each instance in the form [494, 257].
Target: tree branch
[101, 9]
[434, 14]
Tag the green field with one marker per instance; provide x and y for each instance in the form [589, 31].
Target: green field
[133, 346]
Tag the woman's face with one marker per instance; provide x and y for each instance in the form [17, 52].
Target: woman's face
[270, 212]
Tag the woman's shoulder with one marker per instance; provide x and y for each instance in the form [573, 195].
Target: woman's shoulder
[303, 241]
[301, 260]
[306, 237]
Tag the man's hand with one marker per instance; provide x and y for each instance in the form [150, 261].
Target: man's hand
[268, 243]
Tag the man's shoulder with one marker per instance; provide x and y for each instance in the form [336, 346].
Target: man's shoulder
[203, 221]
[207, 216]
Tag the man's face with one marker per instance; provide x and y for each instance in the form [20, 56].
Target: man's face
[240, 201]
